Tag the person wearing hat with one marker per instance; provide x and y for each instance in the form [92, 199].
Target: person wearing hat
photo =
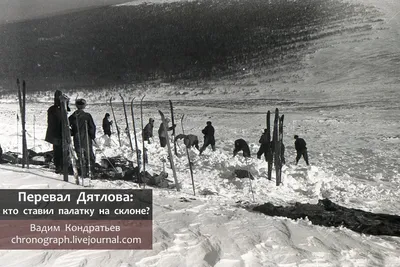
[148, 130]
[107, 124]
[301, 149]
[83, 149]
[209, 138]
[162, 134]
[54, 131]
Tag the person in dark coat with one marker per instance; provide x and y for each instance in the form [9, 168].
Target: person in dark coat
[78, 130]
[54, 131]
[148, 130]
[107, 124]
[189, 140]
[162, 134]
[241, 145]
[209, 138]
[265, 147]
[301, 148]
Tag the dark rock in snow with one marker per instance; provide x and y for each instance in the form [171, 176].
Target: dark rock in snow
[243, 174]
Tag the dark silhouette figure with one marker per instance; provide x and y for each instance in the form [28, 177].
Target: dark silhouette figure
[162, 134]
[265, 147]
[107, 124]
[209, 138]
[189, 140]
[241, 145]
[148, 130]
[78, 131]
[54, 131]
[301, 148]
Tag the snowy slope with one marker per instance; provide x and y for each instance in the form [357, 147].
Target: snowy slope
[214, 230]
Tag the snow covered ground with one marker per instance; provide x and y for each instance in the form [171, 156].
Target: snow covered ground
[346, 107]
[351, 165]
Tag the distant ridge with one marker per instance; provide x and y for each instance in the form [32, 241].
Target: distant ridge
[13, 15]
[189, 41]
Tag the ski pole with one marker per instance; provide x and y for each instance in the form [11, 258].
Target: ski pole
[144, 155]
[136, 143]
[17, 132]
[88, 150]
[188, 156]
[34, 132]
[248, 175]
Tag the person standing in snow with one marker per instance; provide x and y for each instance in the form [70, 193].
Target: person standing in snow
[209, 138]
[54, 131]
[107, 124]
[78, 131]
[301, 148]
[148, 130]
[265, 147]
[241, 145]
[162, 134]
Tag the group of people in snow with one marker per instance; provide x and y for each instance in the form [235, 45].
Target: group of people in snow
[189, 140]
[83, 131]
[267, 148]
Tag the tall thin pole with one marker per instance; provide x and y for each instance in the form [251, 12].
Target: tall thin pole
[34, 132]
[89, 154]
[17, 132]
[143, 147]
[134, 132]
[188, 156]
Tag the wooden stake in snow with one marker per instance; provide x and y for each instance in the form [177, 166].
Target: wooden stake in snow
[171, 158]
[269, 155]
[22, 107]
[136, 145]
[277, 147]
[88, 150]
[127, 124]
[173, 126]
[17, 132]
[188, 156]
[281, 149]
[248, 174]
[68, 150]
[26, 153]
[144, 153]
[34, 132]
[115, 121]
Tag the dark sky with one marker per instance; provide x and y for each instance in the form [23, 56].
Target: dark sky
[11, 10]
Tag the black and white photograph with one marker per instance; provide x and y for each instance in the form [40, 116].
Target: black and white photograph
[267, 130]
